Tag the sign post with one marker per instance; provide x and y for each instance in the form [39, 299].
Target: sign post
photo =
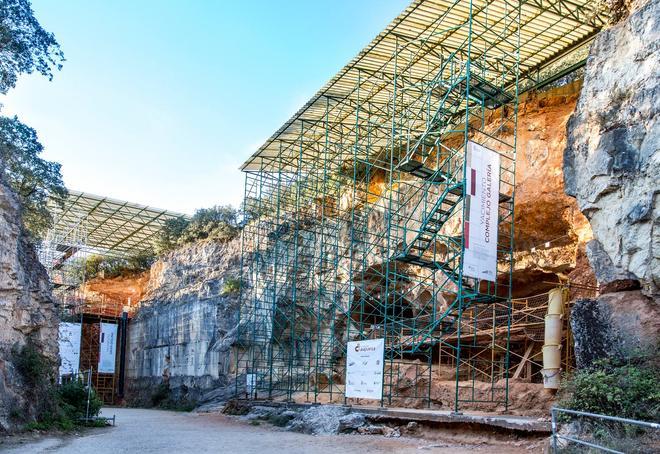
[364, 369]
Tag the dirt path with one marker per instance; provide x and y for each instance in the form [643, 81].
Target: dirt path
[147, 431]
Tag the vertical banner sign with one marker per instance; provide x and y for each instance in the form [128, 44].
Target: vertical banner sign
[250, 383]
[364, 369]
[69, 342]
[481, 212]
[108, 343]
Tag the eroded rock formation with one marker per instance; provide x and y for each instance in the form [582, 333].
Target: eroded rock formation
[612, 167]
[27, 314]
[182, 334]
[612, 163]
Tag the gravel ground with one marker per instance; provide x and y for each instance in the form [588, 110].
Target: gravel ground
[146, 431]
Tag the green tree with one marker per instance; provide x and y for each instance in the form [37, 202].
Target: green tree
[218, 222]
[25, 47]
[169, 234]
[32, 178]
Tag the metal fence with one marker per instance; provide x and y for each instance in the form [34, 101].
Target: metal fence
[556, 437]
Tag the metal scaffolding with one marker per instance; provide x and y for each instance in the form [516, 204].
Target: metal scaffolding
[356, 208]
[85, 225]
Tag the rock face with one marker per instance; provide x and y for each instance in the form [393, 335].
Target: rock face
[27, 313]
[550, 229]
[183, 333]
[616, 325]
[611, 162]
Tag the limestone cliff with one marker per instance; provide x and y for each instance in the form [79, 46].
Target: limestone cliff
[183, 331]
[612, 168]
[27, 314]
[612, 163]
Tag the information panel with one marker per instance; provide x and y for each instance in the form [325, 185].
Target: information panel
[481, 213]
[364, 369]
[69, 342]
[108, 342]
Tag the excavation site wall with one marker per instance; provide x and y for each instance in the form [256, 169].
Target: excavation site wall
[586, 212]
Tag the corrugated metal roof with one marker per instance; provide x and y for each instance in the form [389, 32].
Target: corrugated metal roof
[412, 48]
[110, 225]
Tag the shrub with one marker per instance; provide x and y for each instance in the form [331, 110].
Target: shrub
[33, 366]
[161, 394]
[169, 234]
[218, 223]
[231, 286]
[616, 388]
[109, 267]
[62, 406]
[72, 399]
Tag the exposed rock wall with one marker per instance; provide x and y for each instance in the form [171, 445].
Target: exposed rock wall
[127, 291]
[611, 162]
[616, 325]
[550, 229]
[186, 324]
[612, 168]
[27, 313]
[184, 329]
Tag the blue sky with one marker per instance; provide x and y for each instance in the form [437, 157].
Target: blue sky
[159, 102]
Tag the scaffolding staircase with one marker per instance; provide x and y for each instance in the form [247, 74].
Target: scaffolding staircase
[454, 96]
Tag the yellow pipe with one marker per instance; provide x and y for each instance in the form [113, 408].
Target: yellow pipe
[553, 336]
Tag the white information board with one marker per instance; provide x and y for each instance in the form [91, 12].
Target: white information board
[108, 342]
[69, 343]
[364, 369]
[250, 382]
[481, 214]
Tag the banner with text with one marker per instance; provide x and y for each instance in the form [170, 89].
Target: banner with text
[69, 342]
[364, 369]
[108, 348]
[481, 213]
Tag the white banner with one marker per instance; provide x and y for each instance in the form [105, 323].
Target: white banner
[481, 220]
[69, 343]
[250, 382]
[108, 342]
[364, 369]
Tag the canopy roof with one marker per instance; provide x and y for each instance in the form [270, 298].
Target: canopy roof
[111, 226]
[549, 31]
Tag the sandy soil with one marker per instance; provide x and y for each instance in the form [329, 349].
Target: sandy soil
[146, 431]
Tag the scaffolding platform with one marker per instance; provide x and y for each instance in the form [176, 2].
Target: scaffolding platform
[357, 207]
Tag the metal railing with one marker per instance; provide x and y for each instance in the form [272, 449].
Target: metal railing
[556, 437]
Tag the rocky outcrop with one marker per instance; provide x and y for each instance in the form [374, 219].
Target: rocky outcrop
[184, 331]
[616, 326]
[550, 229]
[126, 290]
[611, 161]
[182, 334]
[27, 315]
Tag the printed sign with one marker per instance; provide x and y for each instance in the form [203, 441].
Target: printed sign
[69, 342]
[364, 369]
[108, 342]
[481, 213]
[250, 383]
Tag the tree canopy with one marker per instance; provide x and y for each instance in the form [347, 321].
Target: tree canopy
[218, 223]
[25, 47]
[32, 178]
